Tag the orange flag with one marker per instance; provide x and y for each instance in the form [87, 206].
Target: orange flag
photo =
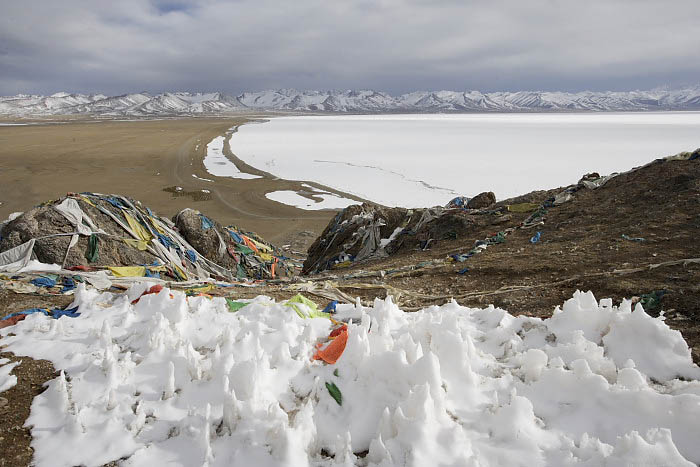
[335, 349]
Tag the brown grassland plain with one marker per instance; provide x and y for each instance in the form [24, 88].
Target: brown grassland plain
[141, 159]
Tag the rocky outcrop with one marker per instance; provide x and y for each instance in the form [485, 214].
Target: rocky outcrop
[101, 231]
[242, 252]
[52, 232]
[367, 231]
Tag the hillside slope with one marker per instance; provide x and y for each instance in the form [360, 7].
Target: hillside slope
[607, 240]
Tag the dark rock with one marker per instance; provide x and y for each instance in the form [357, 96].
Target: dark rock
[44, 221]
[205, 241]
[345, 234]
[213, 241]
[356, 232]
[590, 176]
[482, 200]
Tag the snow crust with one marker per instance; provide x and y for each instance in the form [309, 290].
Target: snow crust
[182, 381]
[219, 165]
[427, 160]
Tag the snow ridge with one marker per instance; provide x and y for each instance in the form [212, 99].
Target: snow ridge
[350, 101]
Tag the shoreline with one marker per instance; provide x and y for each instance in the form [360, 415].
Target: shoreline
[247, 168]
[146, 160]
[417, 161]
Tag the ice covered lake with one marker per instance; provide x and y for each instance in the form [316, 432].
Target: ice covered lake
[425, 160]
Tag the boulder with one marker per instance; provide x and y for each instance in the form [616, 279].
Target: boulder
[354, 234]
[211, 242]
[244, 253]
[126, 233]
[482, 200]
[45, 224]
[367, 231]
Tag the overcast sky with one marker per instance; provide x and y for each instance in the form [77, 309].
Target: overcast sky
[397, 46]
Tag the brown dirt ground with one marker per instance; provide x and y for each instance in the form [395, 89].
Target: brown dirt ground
[31, 376]
[145, 160]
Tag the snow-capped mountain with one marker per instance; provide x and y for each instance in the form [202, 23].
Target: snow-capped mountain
[352, 101]
[321, 101]
[141, 104]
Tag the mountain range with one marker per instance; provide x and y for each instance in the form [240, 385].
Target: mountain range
[363, 101]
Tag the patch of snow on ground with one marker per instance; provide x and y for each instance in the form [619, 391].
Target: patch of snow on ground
[385, 241]
[6, 379]
[292, 198]
[184, 381]
[219, 165]
[201, 178]
[426, 160]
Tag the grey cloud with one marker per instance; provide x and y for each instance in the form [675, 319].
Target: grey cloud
[392, 45]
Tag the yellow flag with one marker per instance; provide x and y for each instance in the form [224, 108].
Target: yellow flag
[261, 246]
[265, 256]
[202, 289]
[87, 200]
[128, 271]
[138, 229]
[523, 207]
[140, 244]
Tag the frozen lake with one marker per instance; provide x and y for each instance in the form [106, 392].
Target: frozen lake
[426, 160]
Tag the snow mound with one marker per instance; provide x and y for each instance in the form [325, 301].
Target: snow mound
[183, 381]
[7, 380]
